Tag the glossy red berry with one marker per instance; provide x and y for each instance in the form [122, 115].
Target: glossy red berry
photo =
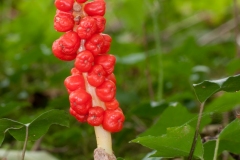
[81, 1]
[84, 61]
[107, 61]
[95, 8]
[80, 101]
[64, 5]
[75, 71]
[94, 44]
[72, 112]
[96, 76]
[82, 117]
[112, 105]
[74, 82]
[87, 27]
[65, 48]
[95, 116]
[112, 78]
[107, 91]
[100, 23]
[106, 43]
[113, 120]
[63, 21]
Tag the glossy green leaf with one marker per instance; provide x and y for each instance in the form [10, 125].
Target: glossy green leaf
[168, 145]
[229, 137]
[6, 124]
[179, 116]
[207, 88]
[39, 126]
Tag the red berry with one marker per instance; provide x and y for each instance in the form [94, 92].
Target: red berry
[81, 1]
[106, 61]
[113, 120]
[96, 76]
[112, 105]
[80, 101]
[63, 21]
[84, 61]
[65, 48]
[106, 43]
[82, 117]
[112, 78]
[75, 71]
[95, 116]
[94, 44]
[100, 22]
[107, 91]
[72, 112]
[74, 82]
[95, 8]
[86, 28]
[64, 5]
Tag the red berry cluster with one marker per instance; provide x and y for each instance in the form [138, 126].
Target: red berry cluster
[92, 79]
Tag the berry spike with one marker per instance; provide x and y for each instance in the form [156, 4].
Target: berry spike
[92, 84]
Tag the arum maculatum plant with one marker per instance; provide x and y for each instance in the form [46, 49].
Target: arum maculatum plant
[92, 84]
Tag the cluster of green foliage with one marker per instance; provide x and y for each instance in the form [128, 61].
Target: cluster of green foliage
[163, 47]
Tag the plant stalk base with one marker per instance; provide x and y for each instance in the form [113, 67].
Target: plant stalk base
[100, 154]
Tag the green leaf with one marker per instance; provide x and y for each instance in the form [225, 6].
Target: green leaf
[119, 158]
[179, 116]
[207, 88]
[9, 107]
[5, 125]
[148, 156]
[39, 126]
[146, 109]
[226, 102]
[209, 147]
[229, 137]
[169, 145]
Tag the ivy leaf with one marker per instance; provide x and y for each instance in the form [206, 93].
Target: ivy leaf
[176, 143]
[229, 137]
[5, 125]
[179, 116]
[207, 88]
[39, 126]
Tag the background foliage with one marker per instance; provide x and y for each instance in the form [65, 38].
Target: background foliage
[195, 42]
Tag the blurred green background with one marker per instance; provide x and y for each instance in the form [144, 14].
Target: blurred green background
[162, 48]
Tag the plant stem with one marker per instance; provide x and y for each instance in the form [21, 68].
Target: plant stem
[147, 62]
[158, 50]
[153, 12]
[196, 132]
[103, 137]
[216, 149]
[236, 18]
[25, 143]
